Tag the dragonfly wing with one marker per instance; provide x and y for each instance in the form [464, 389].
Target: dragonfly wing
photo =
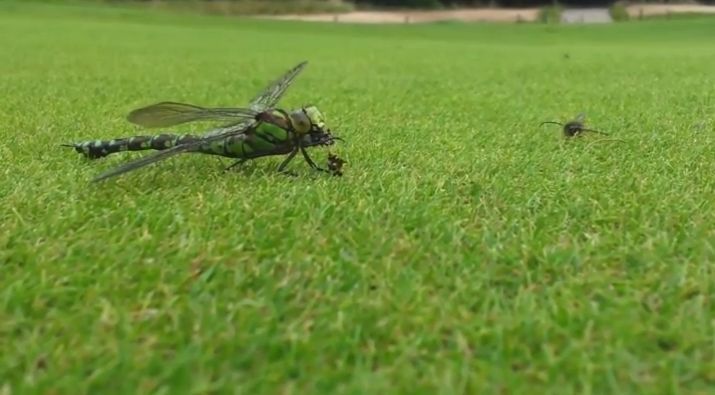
[273, 92]
[170, 113]
[168, 153]
[265, 100]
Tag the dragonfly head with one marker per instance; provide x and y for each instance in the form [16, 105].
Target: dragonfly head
[307, 119]
[309, 123]
[317, 119]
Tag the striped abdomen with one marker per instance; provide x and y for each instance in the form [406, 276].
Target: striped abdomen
[100, 148]
[262, 140]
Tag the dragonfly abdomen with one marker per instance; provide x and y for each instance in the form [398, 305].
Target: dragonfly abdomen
[94, 149]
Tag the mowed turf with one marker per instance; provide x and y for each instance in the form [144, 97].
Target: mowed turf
[465, 250]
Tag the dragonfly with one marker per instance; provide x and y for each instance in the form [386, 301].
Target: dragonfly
[575, 127]
[258, 130]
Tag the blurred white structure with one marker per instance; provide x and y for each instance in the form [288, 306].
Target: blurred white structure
[586, 15]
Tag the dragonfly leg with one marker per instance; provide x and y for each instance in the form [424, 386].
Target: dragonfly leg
[287, 160]
[236, 163]
[310, 161]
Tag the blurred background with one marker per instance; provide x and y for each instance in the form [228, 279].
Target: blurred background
[415, 11]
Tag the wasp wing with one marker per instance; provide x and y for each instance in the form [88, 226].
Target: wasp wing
[172, 113]
[580, 118]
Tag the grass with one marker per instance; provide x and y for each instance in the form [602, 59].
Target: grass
[466, 249]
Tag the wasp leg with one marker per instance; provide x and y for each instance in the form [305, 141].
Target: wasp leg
[595, 131]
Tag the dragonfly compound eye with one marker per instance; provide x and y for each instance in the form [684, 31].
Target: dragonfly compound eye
[301, 122]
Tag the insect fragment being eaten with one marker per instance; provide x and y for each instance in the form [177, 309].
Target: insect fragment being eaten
[575, 127]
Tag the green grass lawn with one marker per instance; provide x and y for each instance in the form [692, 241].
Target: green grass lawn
[466, 249]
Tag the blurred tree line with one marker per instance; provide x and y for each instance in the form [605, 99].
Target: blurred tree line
[508, 3]
[458, 3]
